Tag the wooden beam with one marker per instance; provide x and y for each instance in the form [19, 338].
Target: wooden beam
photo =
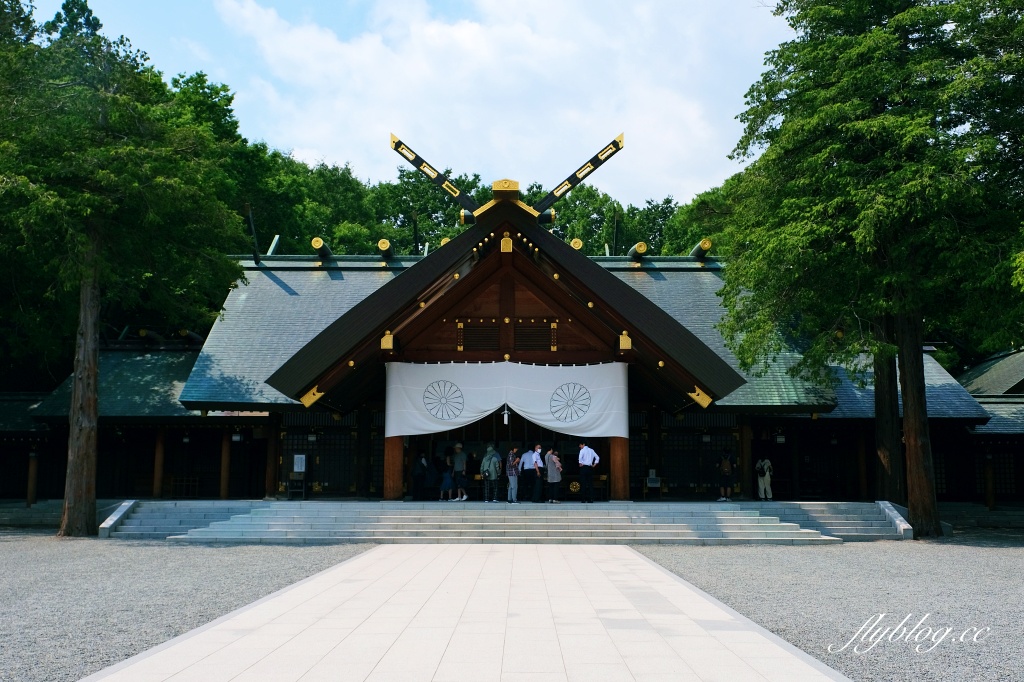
[273, 454]
[747, 460]
[536, 356]
[618, 469]
[33, 479]
[225, 463]
[158, 463]
[507, 304]
[394, 452]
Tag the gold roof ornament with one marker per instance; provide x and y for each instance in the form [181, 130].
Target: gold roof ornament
[700, 397]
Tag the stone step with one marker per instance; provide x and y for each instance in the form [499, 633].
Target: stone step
[497, 519]
[465, 539]
[371, 533]
[489, 528]
[344, 521]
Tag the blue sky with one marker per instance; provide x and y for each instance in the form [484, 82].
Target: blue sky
[527, 90]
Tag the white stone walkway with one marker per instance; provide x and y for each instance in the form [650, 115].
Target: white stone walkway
[474, 613]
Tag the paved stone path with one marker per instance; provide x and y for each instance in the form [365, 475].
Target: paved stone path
[474, 613]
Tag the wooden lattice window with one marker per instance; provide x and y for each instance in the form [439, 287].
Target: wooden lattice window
[479, 337]
[536, 338]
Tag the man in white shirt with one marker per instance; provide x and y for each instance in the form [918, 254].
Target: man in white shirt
[527, 474]
[588, 460]
[538, 473]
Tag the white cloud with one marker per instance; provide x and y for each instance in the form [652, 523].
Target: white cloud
[527, 90]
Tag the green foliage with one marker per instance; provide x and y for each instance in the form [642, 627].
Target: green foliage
[413, 211]
[96, 155]
[714, 214]
[871, 195]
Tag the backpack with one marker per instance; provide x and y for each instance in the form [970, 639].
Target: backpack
[490, 467]
[726, 466]
[760, 469]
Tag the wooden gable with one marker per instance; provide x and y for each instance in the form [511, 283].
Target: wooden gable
[500, 313]
[495, 291]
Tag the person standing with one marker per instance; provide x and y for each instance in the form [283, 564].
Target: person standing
[554, 467]
[446, 481]
[538, 474]
[763, 468]
[419, 477]
[588, 460]
[726, 472]
[527, 473]
[490, 471]
[459, 466]
[512, 471]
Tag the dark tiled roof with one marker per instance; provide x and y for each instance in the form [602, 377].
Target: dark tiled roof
[16, 410]
[946, 398]
[1007, 416]
[688, 292]
[307, 366]
[287, 302]
[132, 384]
[995, 376]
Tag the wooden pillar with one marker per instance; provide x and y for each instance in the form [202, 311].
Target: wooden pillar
[749, 480]
[862, 463]
[990, 483]
[33, 479]
[394, 451]
[273, 459]
[618, 469]
[158, 462]
[225, 463]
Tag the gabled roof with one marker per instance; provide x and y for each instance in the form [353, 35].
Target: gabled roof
[16, 412]
[132, 385]
[1007, 414]
[370, 317]
[688, 291]
[286, 302]
[996, 376]
[946, 398]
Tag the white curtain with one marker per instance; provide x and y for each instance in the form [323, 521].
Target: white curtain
[581, 400]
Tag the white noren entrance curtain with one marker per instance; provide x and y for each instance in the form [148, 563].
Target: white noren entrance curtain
[581, 400]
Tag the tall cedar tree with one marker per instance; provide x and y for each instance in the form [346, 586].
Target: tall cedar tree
[115, 192]
[866, 205]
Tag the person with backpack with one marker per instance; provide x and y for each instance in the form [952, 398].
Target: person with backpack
[726, 472]
[763, 469]
[490, 471]
[512, 471]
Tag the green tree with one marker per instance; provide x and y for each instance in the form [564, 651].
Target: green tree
[588, 214]
[713, 214]
[115, 197]
[867, 204]
[412, 211]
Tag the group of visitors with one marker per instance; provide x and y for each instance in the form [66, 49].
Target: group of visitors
[727, 475]
[530, 470]
[537, 472]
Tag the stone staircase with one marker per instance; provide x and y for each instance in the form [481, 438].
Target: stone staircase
[850, 521]
[479, 522]
[45, 513]
[158, 519]
[968, 514]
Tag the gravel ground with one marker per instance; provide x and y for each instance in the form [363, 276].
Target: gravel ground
[70, 607]
[821, 597]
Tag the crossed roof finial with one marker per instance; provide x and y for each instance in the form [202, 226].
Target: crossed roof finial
[467, 202]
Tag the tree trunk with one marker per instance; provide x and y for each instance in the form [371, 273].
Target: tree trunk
[890, 480]
[79, 517]
[921, 503]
